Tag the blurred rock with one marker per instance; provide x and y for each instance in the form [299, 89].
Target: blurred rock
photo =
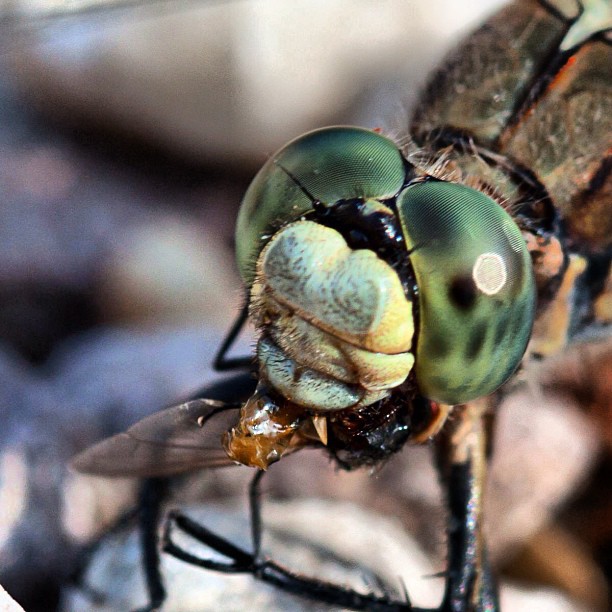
[90, 389]
[335, 541]
[583, 375]
[7, 603]
[169, 271]
[87, 238]
[558, 559]
[514, 597]
[233, 81]
[543, 450]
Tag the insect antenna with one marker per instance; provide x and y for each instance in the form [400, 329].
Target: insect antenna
[316, 203]
[221, 363]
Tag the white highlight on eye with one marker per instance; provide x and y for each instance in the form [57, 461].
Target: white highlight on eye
[489, 273]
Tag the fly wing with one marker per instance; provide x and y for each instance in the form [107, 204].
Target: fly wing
[175, 440]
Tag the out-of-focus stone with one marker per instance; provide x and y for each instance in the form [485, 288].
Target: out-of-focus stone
[86, 239]
[91, 506]
[233, 81]
[169, 271]
[335, 541]
[554, 557]
[543, 449]
[13, 491]
[7, 603]
[92, 388]
[583, 376]
[514, 597]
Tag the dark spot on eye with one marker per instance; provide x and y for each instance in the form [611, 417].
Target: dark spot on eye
[477, 340]
[517, 323]
[462, 292]
[440, 382]
[437, 346]
[501, 329]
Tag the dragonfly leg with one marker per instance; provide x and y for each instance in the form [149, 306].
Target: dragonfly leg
[223, 363]
[266, 570]
[272, 573]
[255, 512]
[153, 491]
[470, 586]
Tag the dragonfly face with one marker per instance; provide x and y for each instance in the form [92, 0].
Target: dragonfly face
[375, 283]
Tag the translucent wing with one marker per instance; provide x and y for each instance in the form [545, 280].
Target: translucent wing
[179, 439]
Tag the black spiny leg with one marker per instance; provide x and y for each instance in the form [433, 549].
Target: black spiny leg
[240, 561]
[153, 489]
[470, 586]
[255, 512]
[151, 495]
[221, 363]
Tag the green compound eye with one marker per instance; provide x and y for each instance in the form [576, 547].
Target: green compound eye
[331, 164]
[476, 290]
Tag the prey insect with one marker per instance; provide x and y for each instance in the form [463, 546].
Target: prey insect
[395, 284]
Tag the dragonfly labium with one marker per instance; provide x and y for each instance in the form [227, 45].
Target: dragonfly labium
[393, 284]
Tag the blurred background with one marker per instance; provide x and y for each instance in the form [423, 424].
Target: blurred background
[128, 133]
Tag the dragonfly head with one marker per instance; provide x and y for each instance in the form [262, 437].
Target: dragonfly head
[371, 278]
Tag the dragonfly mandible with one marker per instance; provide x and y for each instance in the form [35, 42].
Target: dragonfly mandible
[396, 283]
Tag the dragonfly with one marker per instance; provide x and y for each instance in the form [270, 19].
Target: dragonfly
[399, 286]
